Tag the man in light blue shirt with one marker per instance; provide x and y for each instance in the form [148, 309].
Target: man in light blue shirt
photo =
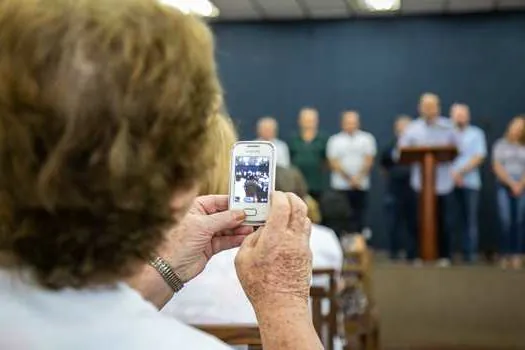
[432, 130]
[465, 173]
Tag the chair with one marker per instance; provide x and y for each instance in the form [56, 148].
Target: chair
[235, 334]
[357, 271]
[325, 322]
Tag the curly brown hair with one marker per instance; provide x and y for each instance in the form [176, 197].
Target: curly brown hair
[104, 106]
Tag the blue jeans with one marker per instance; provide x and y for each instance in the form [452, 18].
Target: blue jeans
[512, 216]
[467, 201]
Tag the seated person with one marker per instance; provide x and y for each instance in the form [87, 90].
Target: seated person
[105, 110]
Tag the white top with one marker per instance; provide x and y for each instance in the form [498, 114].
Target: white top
[350, 151]
[326, 249]
[213, 297]
[216, 295]
[32, 318]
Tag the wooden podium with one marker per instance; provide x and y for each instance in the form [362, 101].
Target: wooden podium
[428, 157]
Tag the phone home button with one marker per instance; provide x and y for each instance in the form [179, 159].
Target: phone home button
[250, 212]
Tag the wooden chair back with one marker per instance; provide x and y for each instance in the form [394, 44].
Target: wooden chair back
[363, 331]
[325, 322]
[317, 295]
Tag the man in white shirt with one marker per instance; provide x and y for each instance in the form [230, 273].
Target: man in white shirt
[267, 129]
[351, 155]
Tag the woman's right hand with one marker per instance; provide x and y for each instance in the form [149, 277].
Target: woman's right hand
[274, 264]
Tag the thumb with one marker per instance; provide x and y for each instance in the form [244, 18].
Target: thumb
[226, 220]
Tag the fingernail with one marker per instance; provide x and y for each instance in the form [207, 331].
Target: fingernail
[239, 215]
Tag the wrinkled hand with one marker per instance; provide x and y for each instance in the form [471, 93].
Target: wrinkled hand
[458, 179]
[275, 262]
[205, 230]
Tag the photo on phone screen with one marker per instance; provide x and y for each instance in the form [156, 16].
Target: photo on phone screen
[252, 179]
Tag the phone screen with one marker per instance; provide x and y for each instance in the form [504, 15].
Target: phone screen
[252, 179]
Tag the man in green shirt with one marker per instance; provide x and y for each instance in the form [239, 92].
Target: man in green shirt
[308, 151]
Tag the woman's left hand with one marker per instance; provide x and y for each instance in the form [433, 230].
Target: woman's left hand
[207, 229]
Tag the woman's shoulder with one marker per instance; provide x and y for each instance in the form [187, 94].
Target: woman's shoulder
[116, 317]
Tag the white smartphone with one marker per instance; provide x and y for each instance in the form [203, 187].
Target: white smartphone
[252, 179]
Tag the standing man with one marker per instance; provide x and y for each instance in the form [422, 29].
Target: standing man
[267, 131]
[467, 179]
[431, 129]
[351, 156]
[399, 201]
[308, 151]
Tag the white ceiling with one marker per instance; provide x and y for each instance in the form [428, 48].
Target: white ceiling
[241, 10]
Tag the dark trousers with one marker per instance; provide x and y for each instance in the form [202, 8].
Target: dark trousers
[466, 201]
[443, 223]
[443, 229]
[357, 199]
[400, 212]
[511, 211]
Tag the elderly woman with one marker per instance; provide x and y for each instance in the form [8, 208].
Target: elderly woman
[508, 157]
[104, 109]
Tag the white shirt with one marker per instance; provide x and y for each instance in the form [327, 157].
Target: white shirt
[351, 152]
[326, 252]
[216, 295]
[326, 249]
[33, 318]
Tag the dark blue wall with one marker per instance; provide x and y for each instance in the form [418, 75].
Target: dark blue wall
[379, 67]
